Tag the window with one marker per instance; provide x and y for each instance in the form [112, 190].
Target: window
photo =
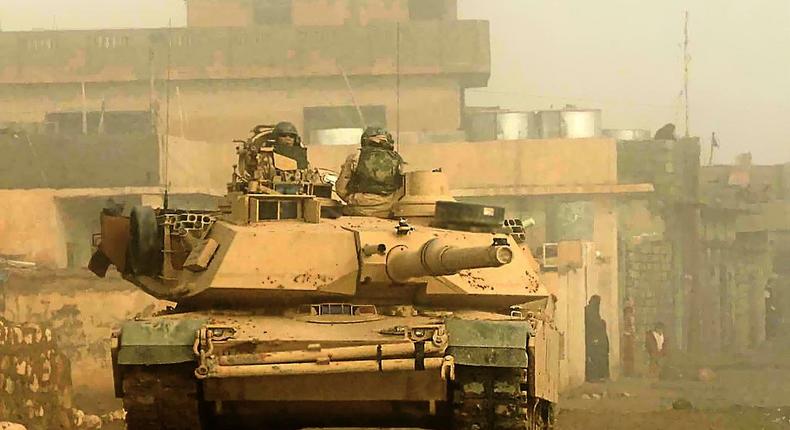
[108, 42]
[427, 9]
[182, 40]
[334, 117]
[269, 12]
[40, 44]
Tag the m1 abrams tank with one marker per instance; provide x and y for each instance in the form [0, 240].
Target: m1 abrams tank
[289, 315]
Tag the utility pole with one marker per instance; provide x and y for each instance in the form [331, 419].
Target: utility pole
[686, 61]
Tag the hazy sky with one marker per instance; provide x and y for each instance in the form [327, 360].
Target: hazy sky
[623, 56]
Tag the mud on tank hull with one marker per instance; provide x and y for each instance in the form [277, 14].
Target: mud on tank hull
[469, 370]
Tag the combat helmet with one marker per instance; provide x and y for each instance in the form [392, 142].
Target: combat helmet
[377, 136]
[285, 128]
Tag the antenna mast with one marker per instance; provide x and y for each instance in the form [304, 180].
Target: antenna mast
[397, 86]
[686, 61]
[167, 114]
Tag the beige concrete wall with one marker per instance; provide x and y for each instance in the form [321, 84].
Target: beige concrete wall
[458, 49]
[503, 163]
[219, 111]
[569, 289]
[30, 226]
[219, 13]
[187, 162]
[573, 286]
[605, 280]
[33, 225]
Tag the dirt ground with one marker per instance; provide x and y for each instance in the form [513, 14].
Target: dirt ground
[748, 392]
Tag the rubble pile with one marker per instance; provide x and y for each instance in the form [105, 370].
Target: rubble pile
[35, 377]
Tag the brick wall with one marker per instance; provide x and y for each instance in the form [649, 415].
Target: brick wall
[650, 281]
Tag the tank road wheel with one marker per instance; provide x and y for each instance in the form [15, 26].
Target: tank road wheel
[145, 246]
[162, 397]
[488, 398]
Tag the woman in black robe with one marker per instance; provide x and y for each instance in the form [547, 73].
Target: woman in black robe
[596, 342]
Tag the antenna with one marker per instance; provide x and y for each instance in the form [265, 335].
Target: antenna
[167, 114]
[397, 86]
[686, 61]
[353, 99]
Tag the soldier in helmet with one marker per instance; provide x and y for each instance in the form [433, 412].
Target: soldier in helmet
[286, 141]
[370, 179]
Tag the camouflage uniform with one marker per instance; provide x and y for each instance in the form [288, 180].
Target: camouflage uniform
[369, 180]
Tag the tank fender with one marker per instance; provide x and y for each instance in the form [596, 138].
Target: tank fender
[488, 343]
[158, 341]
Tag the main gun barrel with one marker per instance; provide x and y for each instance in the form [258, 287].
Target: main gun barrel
[435, 258]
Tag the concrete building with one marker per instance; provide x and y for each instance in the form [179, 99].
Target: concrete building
[403, 63]
[703, 254]
[746, 219]
[660, 268]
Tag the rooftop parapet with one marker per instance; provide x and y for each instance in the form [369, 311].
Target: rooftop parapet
[275, 51]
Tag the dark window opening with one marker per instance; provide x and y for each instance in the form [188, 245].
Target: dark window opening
[288, 210]
[98, 122]
[272, 12]
[427, 9]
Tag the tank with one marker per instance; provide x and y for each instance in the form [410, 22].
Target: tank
[288, 315]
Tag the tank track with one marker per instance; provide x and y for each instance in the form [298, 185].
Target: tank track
[161, 397]
[489, 398]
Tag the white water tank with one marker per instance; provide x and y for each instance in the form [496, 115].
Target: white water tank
[569, 123]
[512, 125]
[580, 123]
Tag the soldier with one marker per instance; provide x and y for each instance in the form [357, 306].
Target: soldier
[287, 142]
[370, 179]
